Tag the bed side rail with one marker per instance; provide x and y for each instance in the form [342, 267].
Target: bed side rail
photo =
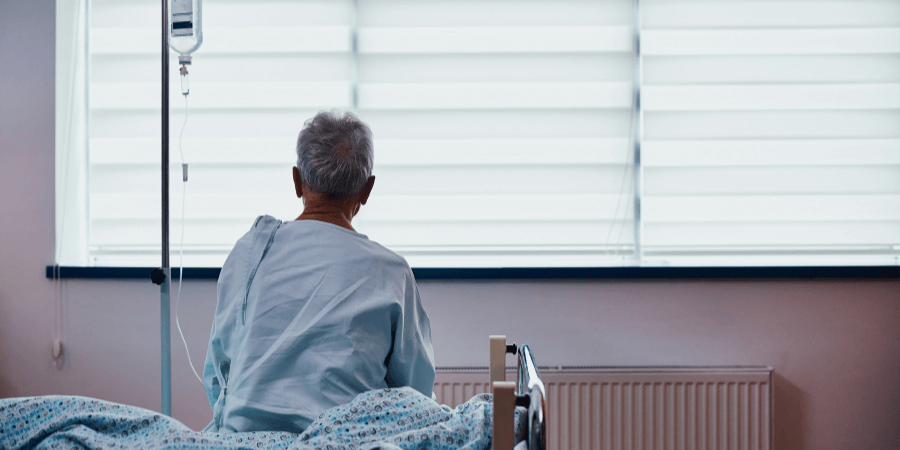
[527, 391]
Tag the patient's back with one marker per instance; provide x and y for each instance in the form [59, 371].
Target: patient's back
[325, 315]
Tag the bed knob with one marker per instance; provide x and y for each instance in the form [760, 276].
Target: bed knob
[523, 401]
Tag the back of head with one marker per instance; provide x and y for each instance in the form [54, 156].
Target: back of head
[335, 154]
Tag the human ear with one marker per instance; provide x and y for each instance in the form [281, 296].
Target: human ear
[298, 185]
[366, 190]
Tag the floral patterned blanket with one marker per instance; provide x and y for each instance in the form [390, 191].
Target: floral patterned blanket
[381, 419]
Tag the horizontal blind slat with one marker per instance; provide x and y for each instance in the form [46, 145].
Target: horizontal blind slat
[421, 124]
[500, 124]
[271, 95]
[225, 68]
[504, 151]
[222, 181]
[390, 152]
[444, 96]
[449, 208]
[800, 41]
[405, 13]
[228, 13]
[714, 181]
[770, 208]
[753, 69]
[510, 68]
[821, 235]
[208, 150]
[494, 39]
[770, 13]
[771, 97]
[311, 39]
[863, 124]
[220, 123]
[220, 234]
[761, 152]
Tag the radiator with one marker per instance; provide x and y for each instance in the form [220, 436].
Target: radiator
[624, 408]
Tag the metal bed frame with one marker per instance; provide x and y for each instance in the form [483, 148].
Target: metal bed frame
[527, 391]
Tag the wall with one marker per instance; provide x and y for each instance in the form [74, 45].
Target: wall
[834, 344]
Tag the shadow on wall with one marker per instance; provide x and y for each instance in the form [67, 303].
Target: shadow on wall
[791, 415]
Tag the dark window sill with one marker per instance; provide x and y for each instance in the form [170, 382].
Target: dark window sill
[582, 273]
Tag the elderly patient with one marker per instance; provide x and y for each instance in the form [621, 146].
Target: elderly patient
[310, 312]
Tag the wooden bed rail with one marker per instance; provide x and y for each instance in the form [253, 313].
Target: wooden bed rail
[504, 437]
[497, 367]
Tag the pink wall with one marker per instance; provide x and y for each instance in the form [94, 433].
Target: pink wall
[834, 345]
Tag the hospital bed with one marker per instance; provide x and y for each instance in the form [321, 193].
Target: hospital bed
[400, 416]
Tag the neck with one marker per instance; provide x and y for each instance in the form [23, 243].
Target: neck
[336, 214]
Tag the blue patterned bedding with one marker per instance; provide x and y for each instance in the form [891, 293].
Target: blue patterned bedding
[387, 419]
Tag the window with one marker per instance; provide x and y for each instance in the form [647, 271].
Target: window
[506, 132]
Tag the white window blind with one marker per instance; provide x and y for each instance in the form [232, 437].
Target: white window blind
[501, 127]
[263, 69]
[768, 130]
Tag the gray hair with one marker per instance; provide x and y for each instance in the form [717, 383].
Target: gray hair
[335, 154]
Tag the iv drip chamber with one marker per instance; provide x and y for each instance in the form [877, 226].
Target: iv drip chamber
[185, 27]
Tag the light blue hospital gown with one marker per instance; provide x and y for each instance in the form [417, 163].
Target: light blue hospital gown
[309, 315]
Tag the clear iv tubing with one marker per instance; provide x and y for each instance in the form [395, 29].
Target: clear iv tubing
[184, 90]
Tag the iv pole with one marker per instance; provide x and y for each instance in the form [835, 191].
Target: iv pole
[165, 286]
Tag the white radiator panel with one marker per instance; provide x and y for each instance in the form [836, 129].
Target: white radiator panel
[703, 408]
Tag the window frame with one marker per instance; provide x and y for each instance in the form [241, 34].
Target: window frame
[603, 272]
[537, 273]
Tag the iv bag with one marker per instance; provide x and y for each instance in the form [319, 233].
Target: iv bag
[185, 28]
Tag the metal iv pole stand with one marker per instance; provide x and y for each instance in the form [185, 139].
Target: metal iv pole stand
[165, 287]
